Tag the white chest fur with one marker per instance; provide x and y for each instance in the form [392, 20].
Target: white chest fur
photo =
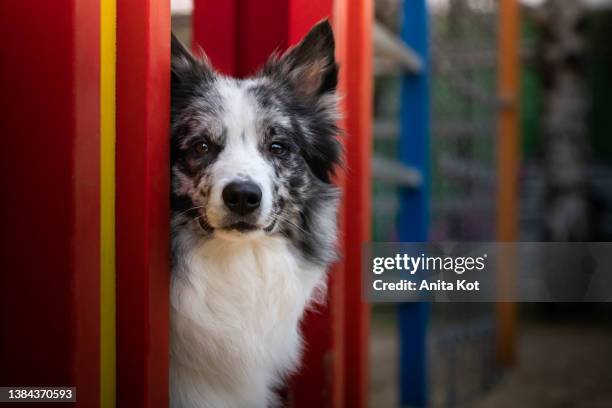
[235, 311]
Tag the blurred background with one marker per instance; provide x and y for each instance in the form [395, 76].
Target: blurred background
[561, 354]
[562, 351]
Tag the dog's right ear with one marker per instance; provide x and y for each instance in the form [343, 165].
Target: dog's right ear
[309, 66]
[185, 66]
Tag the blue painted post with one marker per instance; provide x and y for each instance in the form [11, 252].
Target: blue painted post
[414, 203]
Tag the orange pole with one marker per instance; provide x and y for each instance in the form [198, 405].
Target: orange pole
[507, 170]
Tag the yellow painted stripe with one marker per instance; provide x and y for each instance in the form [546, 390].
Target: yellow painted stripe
[108, 52]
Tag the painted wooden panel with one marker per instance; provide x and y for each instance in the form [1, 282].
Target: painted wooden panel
[50, 159]
[142, 212]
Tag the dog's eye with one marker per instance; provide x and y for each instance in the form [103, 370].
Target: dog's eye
[200, 148]
[277, 148]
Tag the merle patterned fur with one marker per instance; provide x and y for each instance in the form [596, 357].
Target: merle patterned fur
[296, 100]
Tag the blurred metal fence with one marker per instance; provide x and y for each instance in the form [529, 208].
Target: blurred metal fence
[464, 111]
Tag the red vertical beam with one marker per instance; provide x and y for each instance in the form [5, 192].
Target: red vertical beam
[214, 30]
[354, 19]
[254, 43]
[49, 158]
[238, 36]
[85, 246]
[231, 34]
[143, 107]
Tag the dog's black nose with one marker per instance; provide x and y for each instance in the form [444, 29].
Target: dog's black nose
[242, 197]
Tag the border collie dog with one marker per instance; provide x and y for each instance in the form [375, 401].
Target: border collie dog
[253, 219]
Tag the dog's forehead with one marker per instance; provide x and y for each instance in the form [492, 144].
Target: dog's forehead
[250, 103]
[227, 109]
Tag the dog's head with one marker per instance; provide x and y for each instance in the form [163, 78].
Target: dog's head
[253, 156]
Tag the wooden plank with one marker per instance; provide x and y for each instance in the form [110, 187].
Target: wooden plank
[85, 245]
[394, 172]
[215, 31]
[507, 168]
[353, 24]
[390, 46]
[142, 225]
[50, 155]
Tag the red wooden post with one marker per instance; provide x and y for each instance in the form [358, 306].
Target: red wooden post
[143, 109]
[354, 19]
[49, 153]
[214, 29]
[238, 40]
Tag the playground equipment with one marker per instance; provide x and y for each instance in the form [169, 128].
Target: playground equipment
[85, 156]
[90, 308]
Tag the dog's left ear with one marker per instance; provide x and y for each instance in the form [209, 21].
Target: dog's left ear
[184, 66]
[311, 65]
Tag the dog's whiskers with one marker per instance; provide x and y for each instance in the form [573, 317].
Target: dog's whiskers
[203, 222]
[290, 222]
[190, 209]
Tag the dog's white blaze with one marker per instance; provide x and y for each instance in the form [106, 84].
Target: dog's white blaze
[241, 158]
